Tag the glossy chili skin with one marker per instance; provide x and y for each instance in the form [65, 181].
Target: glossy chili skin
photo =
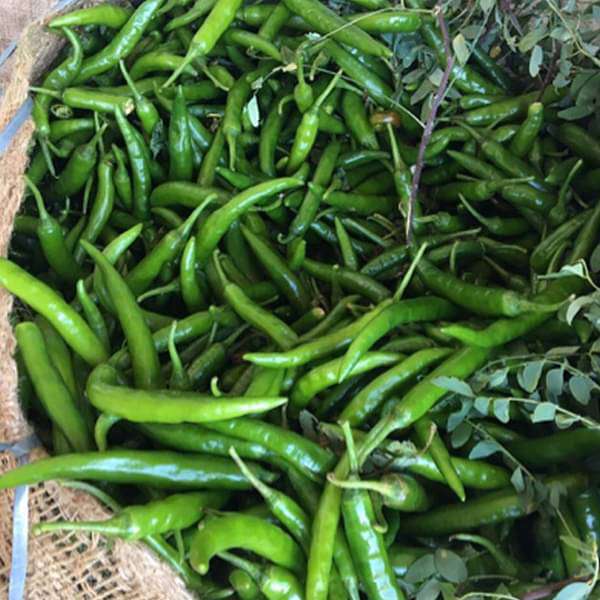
[108, 15]
[52, 240]
[193, 295]
[504, 330]
[556, 448]
[289, 284]
[213, 27]
[188, 437]
[101, 208]
[166, 406]
[232, 530]
[139, 165]
[495, 507]
[523, 141]
[370, 397]
[51, 305]
[306, 133]
[57, 79]
[580, 142]
[326, 375]
[221, 219]
[185, 194]
[57, 399]
[160, 469]
[310, 204]
[306, 456]
[366, 543]
[77, 171]
[325, 21]
[356, 118]
[349, 280]
[392, 315]
[490, 301]
[269, 135]
[585, 505]
[180, 140]
[140, 278]
[122, 179]
[146, 367]
[258, 317]
[426, 432]
[313, 349]
[368, 80]
[122, 43]
[414, 405]
[284, 508]
[93, 315]
[174, 512]
[243, 585]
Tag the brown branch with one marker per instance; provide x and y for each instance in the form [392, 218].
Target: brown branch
[430, 123]
[550, 588]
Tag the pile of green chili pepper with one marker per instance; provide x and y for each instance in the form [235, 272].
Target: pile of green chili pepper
[221, 324]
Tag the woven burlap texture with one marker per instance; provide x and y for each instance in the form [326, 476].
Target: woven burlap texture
[63, 566]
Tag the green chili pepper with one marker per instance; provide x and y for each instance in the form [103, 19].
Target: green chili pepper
[366, 543]
[489, 509]
[357, 120]
[57, 80]
[78, 169]
[543, 253]
[326, 375]
[306, 133]
[101, 208]
[122, 43]
[145, 363]
[219, 221]
[275, 582]
[308, 457]
[511, 108]
[113, 16]
[580, 142]
[122, 179]
[498, 226]
[145, 110]
[174, 512]
[373, 395]
[289, 284]
[284, 508]
[140, 167]
[218, 534]
[172, 406]
[213, 27]
[51, 305]
[312, 199]
[522, 143]
[56, 398]
[93, 315]
[480, 300]
[325, 21]
[392, 315]
[52, 240]
[426, 432]
[159, 469]
[243, 585]
[258, 317]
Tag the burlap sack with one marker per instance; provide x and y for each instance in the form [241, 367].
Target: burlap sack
[60, 566]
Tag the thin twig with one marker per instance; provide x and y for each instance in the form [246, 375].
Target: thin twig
[430, 124]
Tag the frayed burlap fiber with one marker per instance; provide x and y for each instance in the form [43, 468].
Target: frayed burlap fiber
[60, 566]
